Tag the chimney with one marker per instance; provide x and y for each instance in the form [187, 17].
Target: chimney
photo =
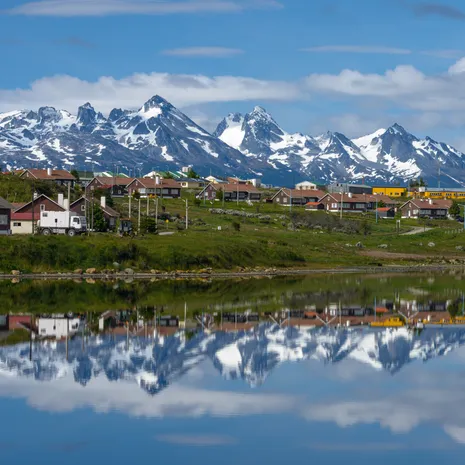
[157, 180]
[66, 204]
[61, 198]
[49, 171]
[431, 201]
[103, 202]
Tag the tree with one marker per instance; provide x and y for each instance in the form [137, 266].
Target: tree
[381, 204]
[168, 175]
[220, 195]
[100, 223]
[192, 174]
[75, 174]
[148, 225]
[454, 210]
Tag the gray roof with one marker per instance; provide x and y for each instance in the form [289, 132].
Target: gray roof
[5, 204]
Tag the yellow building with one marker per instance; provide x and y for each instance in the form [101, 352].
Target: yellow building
[438, 193]
[390, 191]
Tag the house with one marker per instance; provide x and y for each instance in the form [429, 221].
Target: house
[232, 180]
[390, 191]
[231, 192]
[306, 186]
[5, 217]
[347, 188]
[165, 188]
[115, 185]
[60, 177]
[57, 327]
[190, 183]
[215, 180]
[82, 204]
[298, 197]
[426, 208]
[23, 218]
[386, 212]
[355, 203]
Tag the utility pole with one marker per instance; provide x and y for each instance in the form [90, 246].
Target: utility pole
[148, 204]
[342, 201]
[187, 213]
[92, 206]
[33, 205]
[237, 192]
[156, 210]
[130, 212]
[376, 210]
[138, 221]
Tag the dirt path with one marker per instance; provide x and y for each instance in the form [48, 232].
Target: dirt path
[417, 230]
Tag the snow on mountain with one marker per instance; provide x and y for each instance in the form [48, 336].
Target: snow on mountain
[154, 364]
[159, 136]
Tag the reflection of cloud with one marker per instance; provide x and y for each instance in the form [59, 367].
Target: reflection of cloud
[358, 447]
[65, 395]
[196, 440]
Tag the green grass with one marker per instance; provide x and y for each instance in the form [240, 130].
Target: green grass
[259, 243]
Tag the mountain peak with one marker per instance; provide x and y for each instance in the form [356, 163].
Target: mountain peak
[87, 106]
[260, 111]
[397, 129]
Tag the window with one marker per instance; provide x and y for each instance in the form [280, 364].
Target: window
[360, 206]
[16, 225]
[334, 205]
[285, 200]
[42, 207]
[166, 191]
[83, 208]
[3, 220]
[76, 220]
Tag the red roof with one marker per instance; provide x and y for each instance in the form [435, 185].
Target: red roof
[25, 216]
[384, 209]
[237, 187]
[150, 183]
[109, 181]
[430, 204]
[56, 174]
[313, 204]
[296, 193]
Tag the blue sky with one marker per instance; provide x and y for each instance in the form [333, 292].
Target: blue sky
[351, 66]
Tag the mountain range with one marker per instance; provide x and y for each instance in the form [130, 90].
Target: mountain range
[250, 356]
[160, 136]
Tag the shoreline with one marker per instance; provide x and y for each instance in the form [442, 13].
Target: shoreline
[229, 274]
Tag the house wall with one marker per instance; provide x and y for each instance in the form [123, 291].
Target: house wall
[21, 226]
[390, 191]
[57, 327]
[209, 193]
[41, 204]
[5, 221]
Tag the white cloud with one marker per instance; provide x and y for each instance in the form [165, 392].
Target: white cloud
[358, 49]
[406, 85]
[214, 52]
[120, 7]
[446, 53]
[68, 92]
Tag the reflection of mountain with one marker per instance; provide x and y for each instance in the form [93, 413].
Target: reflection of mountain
[248, 355]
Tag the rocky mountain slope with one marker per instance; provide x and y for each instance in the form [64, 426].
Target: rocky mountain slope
[160, 136]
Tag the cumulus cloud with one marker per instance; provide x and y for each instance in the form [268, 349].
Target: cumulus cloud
[357, 49]
[214, 52]
[123, 7]
[69, 92]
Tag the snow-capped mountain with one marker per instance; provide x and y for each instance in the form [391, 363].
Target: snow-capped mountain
[250, 355]
[388, 155]
[159, 136]
[156, 135]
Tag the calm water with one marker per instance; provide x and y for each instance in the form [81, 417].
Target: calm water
[267, 395]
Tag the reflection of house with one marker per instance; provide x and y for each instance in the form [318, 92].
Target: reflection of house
[5, 217]
[426, 208]
[231, 192]
[57, 327]
[22, 217]
[18, 321]
[297, 197]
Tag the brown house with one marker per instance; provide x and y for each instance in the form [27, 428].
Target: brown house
[115, 185]
[81, 205]
[231, 192]
[23, 217]
[5, 217]
[426, 208]
[165, 188]
[297, 197]
[355, 203]
[60, 177]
